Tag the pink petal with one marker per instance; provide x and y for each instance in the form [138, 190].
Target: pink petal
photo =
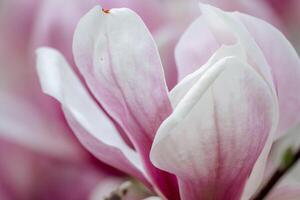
[119, 60]
[285, 66]
[88, 121]
[27, 116]
[217, 28]
[217, 131]
[25, 174]
[194, 48]
[256, 8]
[187, 83]
[22, 123]
[166, 40]
[146, 9]
[267, 51]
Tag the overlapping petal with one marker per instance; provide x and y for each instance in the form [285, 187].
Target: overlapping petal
[285, 67]
[264, 46]
[88, 121]
[215, 135]
[119, 60]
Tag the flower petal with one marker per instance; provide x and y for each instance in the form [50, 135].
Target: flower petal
[119, 60]
[285, 67]
[217, 131]
[219, 28]
[89, 122]
[267, 50]
[187, 83]
[56, 31]
[24, 124]
[26, 174]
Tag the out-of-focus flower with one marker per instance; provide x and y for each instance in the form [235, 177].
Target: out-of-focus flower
[213, 131]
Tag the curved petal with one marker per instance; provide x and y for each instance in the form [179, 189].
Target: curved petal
[187, 83]
[285, 67]
[267, 50]
[256, 8]
[166, 40]
[146, 9]
[217, 131]
[89, 122]
[218, 28]
[119, 60]
[194, 48]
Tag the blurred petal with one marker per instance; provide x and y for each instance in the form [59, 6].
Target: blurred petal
[27, 116]
[218, 131]
[57, 30]
[27, 175]
[166, 40]
[285, 191]
[256, 8]
[24, 124]
[119, 60]
[89, 122]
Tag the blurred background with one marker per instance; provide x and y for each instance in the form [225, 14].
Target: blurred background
[40, 158]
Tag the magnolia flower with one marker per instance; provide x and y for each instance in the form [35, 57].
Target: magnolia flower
[209, 137]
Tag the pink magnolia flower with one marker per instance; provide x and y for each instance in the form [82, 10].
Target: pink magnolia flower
[210, 136]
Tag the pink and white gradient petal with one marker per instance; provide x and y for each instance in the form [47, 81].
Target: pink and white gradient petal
[214, 137]
[88, 121]
[121, 65]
